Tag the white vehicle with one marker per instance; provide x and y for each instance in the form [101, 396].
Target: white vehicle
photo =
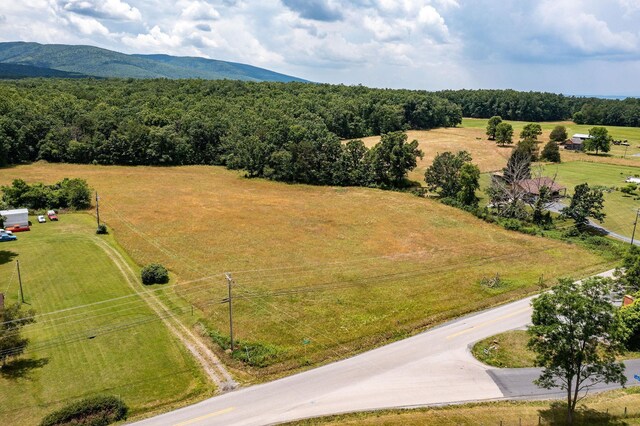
[41, 219]
[4, 231]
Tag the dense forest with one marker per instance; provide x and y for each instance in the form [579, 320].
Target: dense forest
[539, 106]
[289, 132]
[283, 131]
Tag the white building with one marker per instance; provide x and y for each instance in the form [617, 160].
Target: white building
[16, 217]
[632, 180]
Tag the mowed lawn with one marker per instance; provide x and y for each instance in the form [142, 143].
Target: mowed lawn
[621, 209]
[320, 272]
[114, 348]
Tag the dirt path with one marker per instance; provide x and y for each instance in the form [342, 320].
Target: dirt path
[210, 363]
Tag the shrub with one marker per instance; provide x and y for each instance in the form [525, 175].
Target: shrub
[102, 229]
[154, 273]
[95, 411]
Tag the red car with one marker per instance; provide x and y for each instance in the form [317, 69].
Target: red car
[18, 228]
[52, 215]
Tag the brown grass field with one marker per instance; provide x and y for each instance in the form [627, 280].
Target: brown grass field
[490, 157]
[321, 272]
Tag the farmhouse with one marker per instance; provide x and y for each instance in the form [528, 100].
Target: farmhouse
[533, 186]
[16, 217]
[576, 141]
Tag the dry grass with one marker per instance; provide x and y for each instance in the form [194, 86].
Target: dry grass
[486, 154]
[602, 409]
[388, 263]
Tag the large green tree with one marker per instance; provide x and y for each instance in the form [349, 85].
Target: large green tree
[585, 203]
[12, 320]
[393, 158]
[504, 134]
[559, 134]
[576, 335]
[599, 140]
[443, 176]
[492, 124]
[531, 131]
[469, 178]
[551, 152]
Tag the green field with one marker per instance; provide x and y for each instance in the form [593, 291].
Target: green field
[117, 348]
[620, 208]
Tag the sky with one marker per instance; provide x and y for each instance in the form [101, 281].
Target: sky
[583, 47]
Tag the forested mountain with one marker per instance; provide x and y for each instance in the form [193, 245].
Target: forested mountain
[16, 71]
[94, 61]
[282, 131]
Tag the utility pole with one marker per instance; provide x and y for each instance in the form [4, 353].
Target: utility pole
[633, 235]
[97, 208]
[20, 281]
[229, 300]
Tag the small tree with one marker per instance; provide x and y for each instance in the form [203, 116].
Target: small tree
[551, 152]
[3, 219]
[393, 157]
[491, 126]
[505, 195]
[585, 203]
[154, 273]
[599, 140]
[469, 184]
[12, 320]
[531, 131]
[444, 173]
[504, 134]
[559, 134]
[576, 335]
[530, 147]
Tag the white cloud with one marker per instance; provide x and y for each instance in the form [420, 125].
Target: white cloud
[102, 9]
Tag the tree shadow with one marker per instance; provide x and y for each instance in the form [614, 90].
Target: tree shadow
[556, 414]
[7, 256]
[20, 368]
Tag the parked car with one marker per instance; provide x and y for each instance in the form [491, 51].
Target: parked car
[52, 215]
[4, 231]
[18, 228]
[7, 237]
[41, 219]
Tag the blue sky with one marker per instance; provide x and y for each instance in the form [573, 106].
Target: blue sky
[568, 46]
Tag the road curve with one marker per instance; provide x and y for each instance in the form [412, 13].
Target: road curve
[434, 367]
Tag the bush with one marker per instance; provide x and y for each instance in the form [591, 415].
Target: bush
[154, 273]
[102, 229]
[95, 411]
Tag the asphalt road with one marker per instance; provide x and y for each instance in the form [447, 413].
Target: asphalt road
[431, 368]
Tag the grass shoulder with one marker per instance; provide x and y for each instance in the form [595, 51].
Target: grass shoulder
[608, 408]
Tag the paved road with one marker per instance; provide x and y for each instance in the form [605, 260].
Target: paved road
[434, 367]
[558, 206]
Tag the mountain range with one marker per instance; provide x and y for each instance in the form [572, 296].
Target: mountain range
[24, 59]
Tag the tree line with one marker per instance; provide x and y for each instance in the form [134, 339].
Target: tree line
[288, 132]
[539, 106]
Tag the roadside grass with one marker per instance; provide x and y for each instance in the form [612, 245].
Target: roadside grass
[503, 350]
[619, 407]
[620, 208]
[320, 272]
[116, 348]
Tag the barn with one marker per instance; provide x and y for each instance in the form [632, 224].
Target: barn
[15, 217]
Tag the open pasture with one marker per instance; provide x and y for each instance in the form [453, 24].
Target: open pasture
[320, 272]
[115, 348]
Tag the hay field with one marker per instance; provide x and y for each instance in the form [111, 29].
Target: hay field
[320, 272]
